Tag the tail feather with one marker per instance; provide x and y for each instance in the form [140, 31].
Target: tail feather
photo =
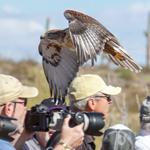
[120, 57]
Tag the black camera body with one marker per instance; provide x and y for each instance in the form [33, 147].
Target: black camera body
[42, 118]
[38, 118]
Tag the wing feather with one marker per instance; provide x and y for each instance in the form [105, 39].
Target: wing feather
[119, 55]
[59, 75]
[93, 36]
[90, 38]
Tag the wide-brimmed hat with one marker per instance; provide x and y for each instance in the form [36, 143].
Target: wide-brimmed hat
[11, 89]
[87, 85]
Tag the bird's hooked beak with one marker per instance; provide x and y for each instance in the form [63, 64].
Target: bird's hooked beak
[42, 37]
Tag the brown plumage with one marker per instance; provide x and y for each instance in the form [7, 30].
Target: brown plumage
[63, 51]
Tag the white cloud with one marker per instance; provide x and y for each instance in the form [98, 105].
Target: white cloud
[9, 9]
[19, 38]
[11, 26]
[33, 26]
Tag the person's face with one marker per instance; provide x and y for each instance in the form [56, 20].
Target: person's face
[15, 108]
[100, 103]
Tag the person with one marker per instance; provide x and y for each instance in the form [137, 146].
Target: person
[143, 137]
[118, 137]
[90, 93]
[13, 100]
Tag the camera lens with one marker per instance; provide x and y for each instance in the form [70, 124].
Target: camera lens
[96, 123]
[79, 118]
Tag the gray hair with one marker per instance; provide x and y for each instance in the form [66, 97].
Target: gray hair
[80, 104]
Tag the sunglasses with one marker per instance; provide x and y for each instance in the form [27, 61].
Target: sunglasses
[108, 97]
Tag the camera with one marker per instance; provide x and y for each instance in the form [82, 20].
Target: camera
[43, 118]
[6, 126]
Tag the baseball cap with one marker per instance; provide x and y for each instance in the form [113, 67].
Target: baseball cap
[118, 137]
[11, 89]
[145, 110]
[87, 85]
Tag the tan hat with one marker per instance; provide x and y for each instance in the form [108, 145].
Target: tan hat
[11, 89]
[88, 85]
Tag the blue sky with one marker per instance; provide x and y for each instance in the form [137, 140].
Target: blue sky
[22, 23]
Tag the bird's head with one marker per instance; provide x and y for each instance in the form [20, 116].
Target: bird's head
[53, 35]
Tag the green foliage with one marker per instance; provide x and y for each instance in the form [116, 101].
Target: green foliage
[125, 74]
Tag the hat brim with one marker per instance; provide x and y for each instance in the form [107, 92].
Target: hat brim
[29, 92]
[110, 90]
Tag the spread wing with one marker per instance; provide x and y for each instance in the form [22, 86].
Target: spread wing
[60, 67]
[91, 38]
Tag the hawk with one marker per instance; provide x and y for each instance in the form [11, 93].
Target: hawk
[63, 51]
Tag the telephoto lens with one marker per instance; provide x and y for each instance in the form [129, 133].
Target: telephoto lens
[93, 122]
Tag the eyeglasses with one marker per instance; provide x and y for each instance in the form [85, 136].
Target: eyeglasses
[24, 102]
[108, 97]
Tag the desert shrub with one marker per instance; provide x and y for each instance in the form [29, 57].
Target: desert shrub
[133, 86]
[125, 74]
